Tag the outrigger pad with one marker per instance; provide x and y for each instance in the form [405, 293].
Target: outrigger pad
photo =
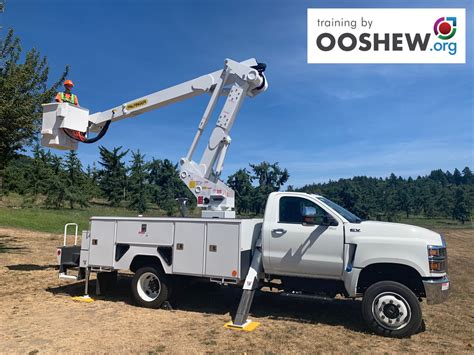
[85, 298]
[248, 326]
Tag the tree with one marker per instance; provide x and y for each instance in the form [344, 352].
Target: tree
[56, 181]
[16, 175]
[391, 203]
[137, 183]
[270, 175]
[241, 183]
[457, 177]
[405, 197]
[270, 178]
[23, 88]
[76, 191]
[92, 181]
[113, 175]
[39, 173]
[439, 176]
[166, 186]
[431, 195]
[462, 208]
[467, 176]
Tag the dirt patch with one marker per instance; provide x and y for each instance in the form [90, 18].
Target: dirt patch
[38, 315]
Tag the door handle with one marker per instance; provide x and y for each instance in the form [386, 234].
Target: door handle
[279, 231]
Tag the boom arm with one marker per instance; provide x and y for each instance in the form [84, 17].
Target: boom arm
[236, 80]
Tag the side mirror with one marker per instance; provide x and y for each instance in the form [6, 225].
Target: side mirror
[309, 211]
[309, 215]
[329, 220]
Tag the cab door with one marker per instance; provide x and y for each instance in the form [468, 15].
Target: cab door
[298, 246]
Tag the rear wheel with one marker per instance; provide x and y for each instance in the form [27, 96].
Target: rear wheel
[391, 309]
[150, 287]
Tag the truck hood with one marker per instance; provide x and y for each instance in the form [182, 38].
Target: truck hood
[391, 231]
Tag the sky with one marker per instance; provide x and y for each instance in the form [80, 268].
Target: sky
[320, 121]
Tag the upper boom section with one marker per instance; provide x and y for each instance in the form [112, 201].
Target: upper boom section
[177, 93]
[60, 116]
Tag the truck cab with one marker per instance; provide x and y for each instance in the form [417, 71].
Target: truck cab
[316, 246]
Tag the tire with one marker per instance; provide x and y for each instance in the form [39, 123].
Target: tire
[150, 287]
[391, 309]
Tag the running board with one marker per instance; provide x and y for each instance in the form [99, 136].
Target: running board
[306, 296]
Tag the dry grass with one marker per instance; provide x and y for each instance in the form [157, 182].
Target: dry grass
[38, 315]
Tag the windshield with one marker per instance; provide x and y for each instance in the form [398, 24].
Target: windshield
[351, 217]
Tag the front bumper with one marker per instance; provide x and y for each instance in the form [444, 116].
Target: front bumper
[436, 289]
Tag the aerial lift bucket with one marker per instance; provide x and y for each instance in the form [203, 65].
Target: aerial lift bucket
[60, 116]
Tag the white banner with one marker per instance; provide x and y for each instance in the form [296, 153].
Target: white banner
[386, 36]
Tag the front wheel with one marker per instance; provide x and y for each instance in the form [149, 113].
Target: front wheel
[150, 287]
[391, 309]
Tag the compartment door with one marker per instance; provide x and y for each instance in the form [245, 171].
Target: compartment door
[102, 241]
[188, 249]
[222, 250]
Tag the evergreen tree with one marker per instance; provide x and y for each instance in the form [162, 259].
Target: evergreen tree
[462, 208]
[23, 88]
[467, 176]
[439, 176]
[113, 175]
[56, 181]
[391, 204]
[377, 198]
[443, 202]
[76, 191]
[39, 173]
[16, 175]
[166, 186]
[137, 183]
[457, 177]
[405, 197]
[92, 181]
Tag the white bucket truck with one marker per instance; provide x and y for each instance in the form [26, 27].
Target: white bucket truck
[310, 244]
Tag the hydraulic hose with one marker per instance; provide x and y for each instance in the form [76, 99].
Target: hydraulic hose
[260, 67]
[102, 133]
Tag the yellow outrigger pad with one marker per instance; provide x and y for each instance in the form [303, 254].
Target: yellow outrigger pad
[85, 298]
[247, 327]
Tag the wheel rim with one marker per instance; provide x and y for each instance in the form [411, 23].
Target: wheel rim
[391, 310]
[148, 286]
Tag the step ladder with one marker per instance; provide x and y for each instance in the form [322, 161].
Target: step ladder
[68, 254]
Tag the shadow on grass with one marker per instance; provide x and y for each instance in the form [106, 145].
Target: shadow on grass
[6, 242]
[211, 299]
[30, 267]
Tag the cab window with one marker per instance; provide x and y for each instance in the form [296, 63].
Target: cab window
[291, 210]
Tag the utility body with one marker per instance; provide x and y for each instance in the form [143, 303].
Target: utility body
[305, 245]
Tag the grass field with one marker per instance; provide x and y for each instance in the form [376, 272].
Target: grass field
[436, 223]
[53, 221]
[14, 214]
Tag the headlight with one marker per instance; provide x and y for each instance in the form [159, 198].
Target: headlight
[436, 252]
[437, 258]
